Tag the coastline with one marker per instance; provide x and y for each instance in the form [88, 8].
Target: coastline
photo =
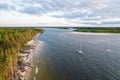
[29, 70]
[91, 33]
[27, 58]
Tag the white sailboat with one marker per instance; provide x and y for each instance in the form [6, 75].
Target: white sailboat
[80, 51]
[108, 49]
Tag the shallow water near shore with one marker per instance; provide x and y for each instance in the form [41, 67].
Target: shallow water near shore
[57, 56]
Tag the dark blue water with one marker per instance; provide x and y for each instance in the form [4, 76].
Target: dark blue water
[58, 59]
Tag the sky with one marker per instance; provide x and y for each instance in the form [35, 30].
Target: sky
[52, 13]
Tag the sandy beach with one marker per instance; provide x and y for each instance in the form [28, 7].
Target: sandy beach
[91, 33]
[27, 75]
[25, 59]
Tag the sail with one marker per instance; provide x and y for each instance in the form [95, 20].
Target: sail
[80, 50]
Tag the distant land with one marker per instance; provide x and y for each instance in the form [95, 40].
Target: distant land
[98, 29]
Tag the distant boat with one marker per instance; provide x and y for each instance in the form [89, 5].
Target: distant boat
[108, 50]
[80, 50]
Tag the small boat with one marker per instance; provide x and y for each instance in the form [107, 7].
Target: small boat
[108, 50]
[80, 51]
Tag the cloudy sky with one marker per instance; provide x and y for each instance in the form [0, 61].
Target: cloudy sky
[59, 12]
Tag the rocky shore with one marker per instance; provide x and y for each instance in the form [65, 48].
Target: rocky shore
[25, 56]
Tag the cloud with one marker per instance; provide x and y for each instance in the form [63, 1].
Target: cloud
[70, 8]
[111, 22]
[86, 11]
[31, 10]
[4, 7]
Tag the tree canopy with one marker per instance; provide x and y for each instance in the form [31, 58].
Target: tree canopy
[11, 40]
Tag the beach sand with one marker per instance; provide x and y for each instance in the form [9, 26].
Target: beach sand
[27, 75]
[28, 59]
[91, 33]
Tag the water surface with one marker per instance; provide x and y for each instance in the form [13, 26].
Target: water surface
[57, 57]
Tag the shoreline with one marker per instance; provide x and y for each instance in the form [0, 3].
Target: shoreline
[92, 33]
[27, 76]
[26, 57]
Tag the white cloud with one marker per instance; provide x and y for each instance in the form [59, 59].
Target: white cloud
[60, 12]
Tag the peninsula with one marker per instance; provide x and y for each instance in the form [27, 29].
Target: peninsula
[98, 29]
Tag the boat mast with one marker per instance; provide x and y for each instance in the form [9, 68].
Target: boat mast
[80, 47]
